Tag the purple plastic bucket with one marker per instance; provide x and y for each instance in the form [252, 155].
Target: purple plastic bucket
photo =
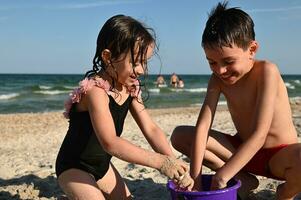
[228, 193]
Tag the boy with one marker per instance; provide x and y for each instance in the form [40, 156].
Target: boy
[266, 139]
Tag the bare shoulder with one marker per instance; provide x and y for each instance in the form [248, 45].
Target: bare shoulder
[97, 92]
[265, 66]
[264, 70]
[93, 97]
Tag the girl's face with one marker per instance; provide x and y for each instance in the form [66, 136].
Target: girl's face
[128, 72]
[230, 63]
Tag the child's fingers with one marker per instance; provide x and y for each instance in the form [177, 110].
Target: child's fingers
[189, 188]
[217, 186]
[186, 182]
[176, 174]
[183, 164]
[173, 168]
[181, 170]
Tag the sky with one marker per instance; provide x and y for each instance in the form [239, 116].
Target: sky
[59, 36]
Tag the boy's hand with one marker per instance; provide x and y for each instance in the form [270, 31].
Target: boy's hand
[197, 185]
[218, 182]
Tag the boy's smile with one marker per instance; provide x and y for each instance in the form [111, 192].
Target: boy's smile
[229, 63]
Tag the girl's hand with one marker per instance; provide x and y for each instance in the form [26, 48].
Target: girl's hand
[173, 168]
[185, 182]
[178, 171]
[218, 182]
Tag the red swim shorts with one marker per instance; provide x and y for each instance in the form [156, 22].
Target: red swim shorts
[259, 164]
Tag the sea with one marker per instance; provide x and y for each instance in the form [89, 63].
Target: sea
[32, 93]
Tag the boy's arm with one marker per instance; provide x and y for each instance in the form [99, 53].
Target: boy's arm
[267, 88]
[203, 125]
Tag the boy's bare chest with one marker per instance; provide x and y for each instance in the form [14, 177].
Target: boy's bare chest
[241, 99]
[242, 106]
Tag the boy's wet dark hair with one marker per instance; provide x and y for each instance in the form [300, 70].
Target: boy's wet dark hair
[120, 34]
[228, 26]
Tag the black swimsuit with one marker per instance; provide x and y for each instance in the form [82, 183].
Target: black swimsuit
[81, 148]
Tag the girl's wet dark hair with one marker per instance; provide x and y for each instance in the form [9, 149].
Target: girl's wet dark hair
[228, 26]
[121, 34]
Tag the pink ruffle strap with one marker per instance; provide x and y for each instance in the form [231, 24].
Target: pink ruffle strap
[86, 84]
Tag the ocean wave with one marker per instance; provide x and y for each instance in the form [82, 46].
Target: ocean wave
[290, 86]
[44, 87]
[154, 90]
[52, 92]
[176, 89]
[196, 90]
[193, 90]
[8, 96]
[69, 87]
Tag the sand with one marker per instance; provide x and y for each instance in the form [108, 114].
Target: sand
[29, 144]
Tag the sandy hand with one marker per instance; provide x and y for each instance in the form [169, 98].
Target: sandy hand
[185, 181]
[173, 168]
[176, 170]
[217, 183]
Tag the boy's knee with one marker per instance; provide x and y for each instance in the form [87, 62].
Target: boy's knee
[180, 136]
[174, 138]
[297, 159]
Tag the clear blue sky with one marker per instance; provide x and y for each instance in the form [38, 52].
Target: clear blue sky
[59, 36]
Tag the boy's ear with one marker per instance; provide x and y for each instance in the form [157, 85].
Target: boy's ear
[254, 46]
[106, 56]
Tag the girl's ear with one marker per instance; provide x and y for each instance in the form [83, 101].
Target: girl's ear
[253, 48]
[106, 56]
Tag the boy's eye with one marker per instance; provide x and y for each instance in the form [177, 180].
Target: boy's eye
[229, 62]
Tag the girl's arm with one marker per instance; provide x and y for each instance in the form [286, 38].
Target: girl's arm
[98, 106]
[153, 134]
[268, 81]
[157, 139]
[97, 103]
[203, 126]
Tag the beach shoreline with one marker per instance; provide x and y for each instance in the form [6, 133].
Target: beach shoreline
[29, 143]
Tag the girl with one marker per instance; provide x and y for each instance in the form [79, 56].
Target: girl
[97, 110]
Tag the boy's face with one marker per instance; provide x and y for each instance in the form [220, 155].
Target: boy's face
[230, 63]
